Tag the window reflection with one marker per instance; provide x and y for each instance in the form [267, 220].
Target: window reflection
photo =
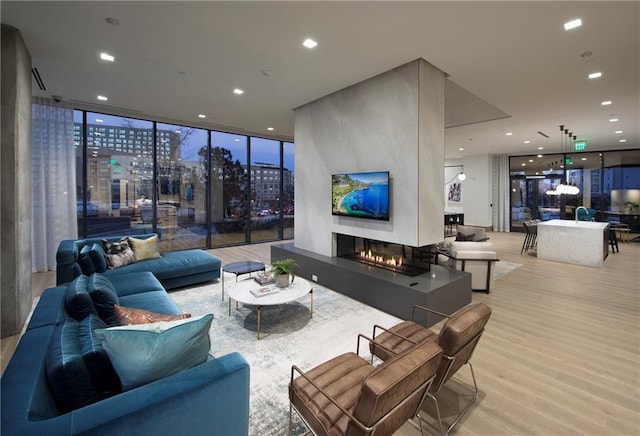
[605, 181]
[199, 177]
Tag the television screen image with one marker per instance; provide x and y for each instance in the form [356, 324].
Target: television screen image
[361, 195]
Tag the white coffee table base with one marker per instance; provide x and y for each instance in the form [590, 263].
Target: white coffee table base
[241, 293]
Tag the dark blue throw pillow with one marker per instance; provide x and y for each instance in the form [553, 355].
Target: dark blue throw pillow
[84, 259]
[97, 257]
[104, 297]
[77, 300]
[105, 379]
[67, 374]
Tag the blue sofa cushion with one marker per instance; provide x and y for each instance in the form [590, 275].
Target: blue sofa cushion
[84, 259]
[104, 377]
[143, 353]
[97, 257]
[104, 297]
[77, 300]
[153, 301]
[67, 374]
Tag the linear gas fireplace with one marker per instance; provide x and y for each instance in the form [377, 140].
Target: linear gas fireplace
[410, 261]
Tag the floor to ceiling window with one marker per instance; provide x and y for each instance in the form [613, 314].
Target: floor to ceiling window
[181, 193]
[288, 189]
[608, 182]
[265, 189]
[228, 210]
[116, 195]
[194, 187]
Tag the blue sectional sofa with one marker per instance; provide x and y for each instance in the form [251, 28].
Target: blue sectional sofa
[174, 269]
[210, 398]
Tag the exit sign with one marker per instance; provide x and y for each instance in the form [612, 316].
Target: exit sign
[580, 145]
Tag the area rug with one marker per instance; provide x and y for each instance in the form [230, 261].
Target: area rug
[502, 268]
[289, 335]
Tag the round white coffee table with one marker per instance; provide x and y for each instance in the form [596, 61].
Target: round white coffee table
[241, 293]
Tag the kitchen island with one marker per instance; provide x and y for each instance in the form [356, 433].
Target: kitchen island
[577, 242]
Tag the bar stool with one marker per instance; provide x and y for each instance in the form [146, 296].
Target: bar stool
[531, 234]
[613, 241]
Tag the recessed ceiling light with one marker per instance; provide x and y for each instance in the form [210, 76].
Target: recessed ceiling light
[269, 128]
[102, 98]
[530, 160]
[622, 140]
[606, 103]
[539, 156]
[523, 164]
[309, 43]
[572, 24]
[202, 116]
[107, 57]
[584, 158]
[238, 91]
[540, 148]
[98, 120]
[461, 149]
[595, 75]
[237, 140]
[509, 133]
[617, 132]
[613, 120]
[527, 142]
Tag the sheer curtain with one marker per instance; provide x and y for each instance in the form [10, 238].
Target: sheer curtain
[501, 190]
[54, 181]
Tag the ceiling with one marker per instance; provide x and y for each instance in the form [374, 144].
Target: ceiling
[175, 60]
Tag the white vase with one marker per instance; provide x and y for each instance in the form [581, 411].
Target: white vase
[282, 281]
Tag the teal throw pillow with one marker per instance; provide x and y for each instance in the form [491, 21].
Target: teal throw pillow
[67, 374]
[77, 301]
[84, 259]
[97, 257]
[104, 297]
[142, 353]
[95, 358]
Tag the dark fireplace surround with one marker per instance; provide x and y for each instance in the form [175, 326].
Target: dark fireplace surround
[443, 289]
[399, 258]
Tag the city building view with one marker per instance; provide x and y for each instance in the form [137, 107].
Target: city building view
[195, 187]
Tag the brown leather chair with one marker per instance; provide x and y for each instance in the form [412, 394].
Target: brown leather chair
[348, 396]
[458, 338]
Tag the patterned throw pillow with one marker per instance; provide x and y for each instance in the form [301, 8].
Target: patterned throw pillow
[145, 248]
[120, 259]
[115, 247]
[118, 253]
[129, 315]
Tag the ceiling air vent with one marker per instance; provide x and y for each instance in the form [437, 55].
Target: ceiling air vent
[38, 79]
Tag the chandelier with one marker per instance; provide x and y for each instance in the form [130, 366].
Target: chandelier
[566, 139]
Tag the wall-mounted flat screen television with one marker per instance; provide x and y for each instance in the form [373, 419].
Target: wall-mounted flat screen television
[361, 195]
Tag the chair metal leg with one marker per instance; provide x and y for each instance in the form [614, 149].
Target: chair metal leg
[420, 423]
[462, 413]
[290, 418]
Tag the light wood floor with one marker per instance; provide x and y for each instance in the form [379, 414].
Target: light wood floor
[560, 354]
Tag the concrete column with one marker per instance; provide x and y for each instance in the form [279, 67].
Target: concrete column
[15, 183]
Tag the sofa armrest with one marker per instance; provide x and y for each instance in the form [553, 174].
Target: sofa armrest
[211, 398]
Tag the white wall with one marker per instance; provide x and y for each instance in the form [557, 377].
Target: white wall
[477, 190]
[393, 121]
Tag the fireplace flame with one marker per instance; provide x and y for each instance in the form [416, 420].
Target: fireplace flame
[391, 261]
